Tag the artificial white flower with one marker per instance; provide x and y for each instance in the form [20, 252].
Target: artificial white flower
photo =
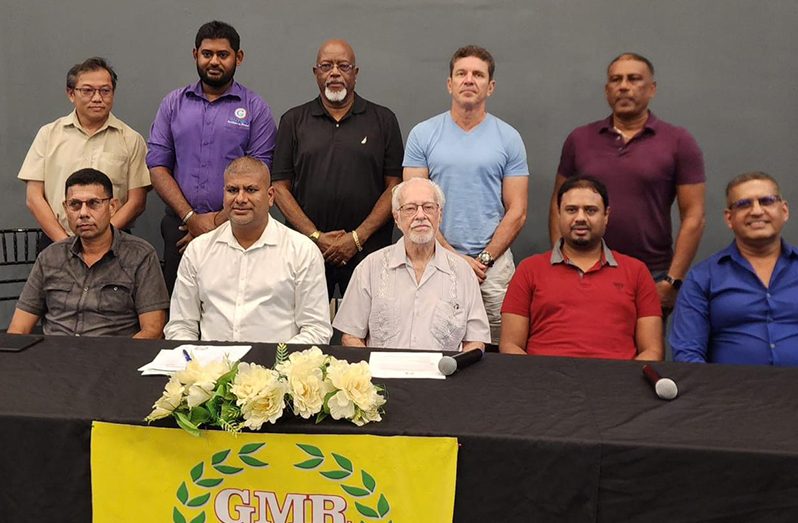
[260, 393]
[341, 406]
[302, 363]
[354, 379]
[307, 393]
[200, 380]
[169, 401]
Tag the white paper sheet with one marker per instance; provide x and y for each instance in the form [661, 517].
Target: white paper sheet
[406, 365]
[169, 361]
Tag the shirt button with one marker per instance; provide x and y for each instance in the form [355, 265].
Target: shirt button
[768, 295]
[85, 289]
[337, 125]
[772, 345]
[77, 334]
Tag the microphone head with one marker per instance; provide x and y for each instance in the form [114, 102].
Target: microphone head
[447, 365]
[666, 389]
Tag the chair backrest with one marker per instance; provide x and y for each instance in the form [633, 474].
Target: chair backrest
[18, 248]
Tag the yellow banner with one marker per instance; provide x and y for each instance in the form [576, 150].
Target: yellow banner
[166, 475]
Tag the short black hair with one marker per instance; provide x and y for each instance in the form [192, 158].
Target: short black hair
[476, 51]
[95, 63]
[584, 182]
[217, 30]
[90, 176]
[632, 56]
[750, 176]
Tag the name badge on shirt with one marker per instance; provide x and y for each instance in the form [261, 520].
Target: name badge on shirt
[239, 118]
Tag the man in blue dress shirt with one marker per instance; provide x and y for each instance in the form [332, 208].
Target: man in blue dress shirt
[739, 305]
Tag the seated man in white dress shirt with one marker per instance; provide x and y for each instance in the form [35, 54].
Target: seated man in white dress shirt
[251, 279]
[414, 294]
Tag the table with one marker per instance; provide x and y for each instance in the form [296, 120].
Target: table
[542, 439]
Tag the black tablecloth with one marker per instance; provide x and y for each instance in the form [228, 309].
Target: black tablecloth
[542, 439]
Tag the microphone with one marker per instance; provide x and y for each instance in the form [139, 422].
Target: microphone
[448, 365]
[665, 388]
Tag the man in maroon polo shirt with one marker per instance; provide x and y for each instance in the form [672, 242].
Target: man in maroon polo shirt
[581, 299]
[645, 163]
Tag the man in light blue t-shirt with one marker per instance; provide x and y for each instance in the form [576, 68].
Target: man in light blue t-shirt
[480, 163]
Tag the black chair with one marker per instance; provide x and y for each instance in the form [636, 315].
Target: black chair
[18, 249]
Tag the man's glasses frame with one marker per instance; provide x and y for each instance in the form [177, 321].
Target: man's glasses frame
[88, 92]
[747, 203]
[93, 203]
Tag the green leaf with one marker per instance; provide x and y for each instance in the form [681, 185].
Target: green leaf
[382, 506]
[182, 493]
[250, 448]
[310, 449]
[177, 517]
[252, 462]
[199, 415]
[368, 481]
[196, 472]
[199, 500]
[335, 474]
[184, 423]
[343, 462]
[355, 491]
[320, 416]
[310, 464]
[225, 469]
[282, 354]
[209, 482]
[366, 511]
[220, 456]
[199, 519]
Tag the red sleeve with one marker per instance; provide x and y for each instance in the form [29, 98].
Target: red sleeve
[646, 297]
[518, 299]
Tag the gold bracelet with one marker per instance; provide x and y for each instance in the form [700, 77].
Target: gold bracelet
[357, 241]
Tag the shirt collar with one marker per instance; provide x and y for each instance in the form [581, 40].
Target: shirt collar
[112, 121]
[76, 246]
[398, 257]
[651, 126]
[269, 236]
[732, 252]
[235, 91]
[358, 107]
[607, 257]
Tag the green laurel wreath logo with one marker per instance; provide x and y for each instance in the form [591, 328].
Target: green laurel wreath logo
[218, 464]
[364, 490]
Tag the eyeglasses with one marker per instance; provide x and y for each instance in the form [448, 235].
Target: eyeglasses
[747, 203]
[410, 209]
[326, 67]
[93, 203]
[88, 92]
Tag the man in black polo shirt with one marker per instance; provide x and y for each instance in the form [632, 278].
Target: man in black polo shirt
[337, 159]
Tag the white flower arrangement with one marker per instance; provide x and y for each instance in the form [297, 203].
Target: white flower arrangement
[247, 395]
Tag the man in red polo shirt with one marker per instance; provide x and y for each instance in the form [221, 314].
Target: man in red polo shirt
[581, 299]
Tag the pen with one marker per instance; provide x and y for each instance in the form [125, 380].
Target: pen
[186, 355]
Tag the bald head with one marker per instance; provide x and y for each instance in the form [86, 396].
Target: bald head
[339, 47]
[248, 164]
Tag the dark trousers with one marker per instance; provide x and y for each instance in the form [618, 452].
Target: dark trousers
[171, 256]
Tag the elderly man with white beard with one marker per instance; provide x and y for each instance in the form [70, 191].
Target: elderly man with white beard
[414, 294]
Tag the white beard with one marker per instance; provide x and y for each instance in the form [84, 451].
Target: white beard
[335, 96]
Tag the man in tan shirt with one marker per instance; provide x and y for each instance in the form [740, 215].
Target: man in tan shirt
[90, 136]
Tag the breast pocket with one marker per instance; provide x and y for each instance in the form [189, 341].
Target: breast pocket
[116, 298]
[56, 294]
[115, 166]
[448, 325]
[384, 321]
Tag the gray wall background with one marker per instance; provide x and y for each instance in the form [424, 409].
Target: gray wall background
[726, 70]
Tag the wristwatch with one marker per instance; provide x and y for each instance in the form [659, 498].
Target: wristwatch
[485, 258]
[315, 235]
[676, 284]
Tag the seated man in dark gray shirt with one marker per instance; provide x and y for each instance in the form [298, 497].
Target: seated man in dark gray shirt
[102, 281]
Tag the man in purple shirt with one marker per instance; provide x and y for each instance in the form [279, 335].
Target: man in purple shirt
[198, 131]
[646, 164]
